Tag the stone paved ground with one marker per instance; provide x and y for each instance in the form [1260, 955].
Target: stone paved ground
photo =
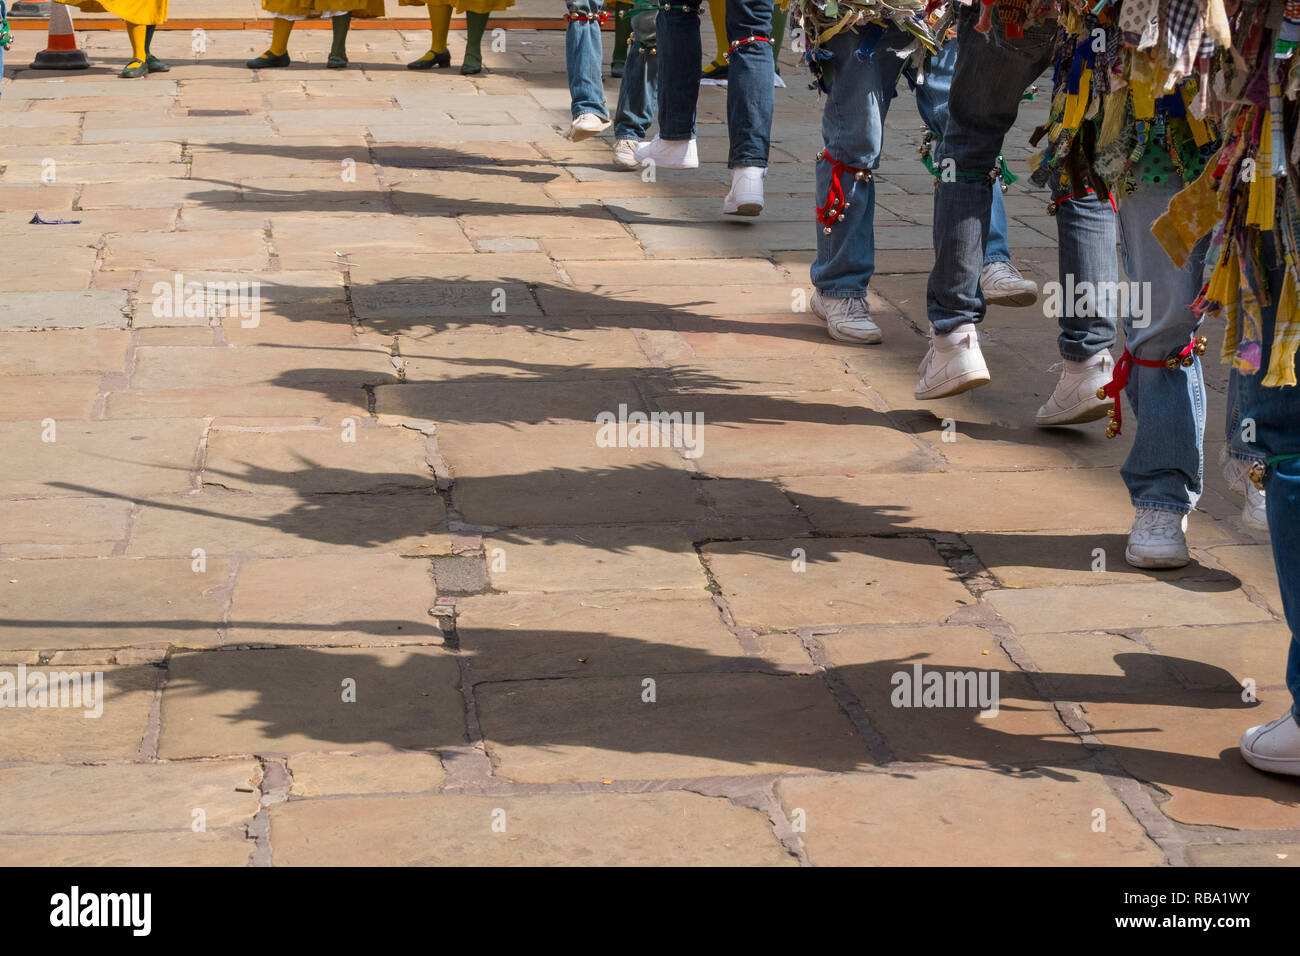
[242, 526]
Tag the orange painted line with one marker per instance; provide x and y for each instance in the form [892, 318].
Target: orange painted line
[90, 26]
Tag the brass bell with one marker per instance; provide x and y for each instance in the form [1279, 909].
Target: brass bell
[1051, 209]
[826, 231]
[1258, 471]
[1172, 363]
[1112, 430]
[820, 156]
[841, 218]
[1188, 359]
[1101, 393]
[859, 175]
[845, 206]
[1202, 343]
[1110, 413]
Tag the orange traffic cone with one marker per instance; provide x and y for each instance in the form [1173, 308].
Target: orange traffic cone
[61, 51]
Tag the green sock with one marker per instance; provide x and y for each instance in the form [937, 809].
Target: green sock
[475, 24]
[341, 25]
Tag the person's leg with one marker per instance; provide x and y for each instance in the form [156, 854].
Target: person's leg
[154, 64]
[582, 59]
[439, 26]
[780, 17]
[622, 34]
[749, 82]
[338, 58]
[135, 32]
[858, 93]
[1240, 453]
[1002, 284]
[989, 77]
[1086, 234]
[637, 93]
[1163, 470]
[277, 54]
[678, 29]
[716, 69]
[1275, 414]
[475, 24]
[859, 90]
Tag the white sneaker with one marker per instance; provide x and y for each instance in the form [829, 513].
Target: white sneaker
[587, 125]
[1158, 540]
[746, 196]
[1254, 513]
[1274, 746]
[669, 153]
[847, 320]
[625, 153]
[954, 364]
[1074, 399]
[1002, 284]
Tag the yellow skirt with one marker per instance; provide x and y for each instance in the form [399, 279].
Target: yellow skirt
[148, 12]
[462, 6]
[313, 8]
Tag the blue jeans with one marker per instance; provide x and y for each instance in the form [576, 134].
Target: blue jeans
[860, 89]
[638, 93]
[582, 58]
[1276, 414]
[989, 78]
[1164, 467]
[749, 77]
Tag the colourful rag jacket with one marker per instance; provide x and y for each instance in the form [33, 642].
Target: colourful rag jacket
[1130, 100]
[1250, 189]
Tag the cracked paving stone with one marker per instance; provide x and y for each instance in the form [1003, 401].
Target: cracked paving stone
[699, 725]
[842, 581]
[135, 797]
[965, 817]
[86, 602]
[591, 829]
[293, 701]
[108, 725]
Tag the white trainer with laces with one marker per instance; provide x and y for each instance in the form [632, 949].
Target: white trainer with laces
[587, 125]
[669, 153]
[1254, 513]
[746, 196]
[625, 154]
[954, 364]
[1158, 540]
[847, 320]
[1074, 399]
[1274, 746]
[1002, 284]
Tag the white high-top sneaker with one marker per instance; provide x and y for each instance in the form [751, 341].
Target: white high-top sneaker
[625, 153]
[746, 196]
[1074, 399]
[587, 125]
[847, 320]
[954, 364]
[669, 153]
[1254, 513]
[1002, 284]
[1158, 540]
[1274, 746]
